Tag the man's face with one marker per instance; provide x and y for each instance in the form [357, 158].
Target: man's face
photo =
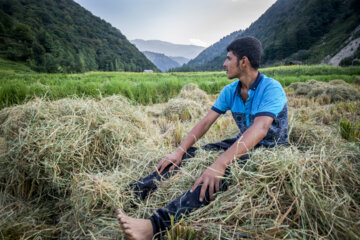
[232, 66]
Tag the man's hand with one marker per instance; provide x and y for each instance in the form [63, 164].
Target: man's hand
[175, 159]
[210, 178]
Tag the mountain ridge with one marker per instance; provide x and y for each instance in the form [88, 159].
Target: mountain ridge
[55, 36]
[307, 31]
[161, 61]
[167, 48]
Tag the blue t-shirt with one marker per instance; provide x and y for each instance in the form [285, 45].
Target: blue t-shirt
[266, 97]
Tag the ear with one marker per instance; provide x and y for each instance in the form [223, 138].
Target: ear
[246, 61]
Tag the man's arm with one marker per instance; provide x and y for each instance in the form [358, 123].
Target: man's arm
[212, 175]
[195, 134]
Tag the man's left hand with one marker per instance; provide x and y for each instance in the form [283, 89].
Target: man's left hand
[210, 179]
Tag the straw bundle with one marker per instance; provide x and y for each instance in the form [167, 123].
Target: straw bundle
[183, 109]
[193, 92]
[49, 141]
[335, 90]
[192, 103]
[284, 193]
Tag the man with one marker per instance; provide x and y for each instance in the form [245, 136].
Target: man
[259, 107]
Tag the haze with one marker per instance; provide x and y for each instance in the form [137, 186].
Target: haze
[198, 22]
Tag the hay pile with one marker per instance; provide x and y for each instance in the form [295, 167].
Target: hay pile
[335, 90]
[193, 92]
[48, 144]
[288, 194]
[191, 103]
[49, 141]
[65, 166]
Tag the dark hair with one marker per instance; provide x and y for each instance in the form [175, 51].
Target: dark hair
[249, 47]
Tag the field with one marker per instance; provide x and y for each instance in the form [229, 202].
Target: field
[71, 144]
[18, 85]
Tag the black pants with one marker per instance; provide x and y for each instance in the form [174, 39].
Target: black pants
[186, 202]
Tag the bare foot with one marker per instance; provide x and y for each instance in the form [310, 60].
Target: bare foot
[135, 229]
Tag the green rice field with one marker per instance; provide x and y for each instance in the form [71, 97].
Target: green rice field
[18, 84]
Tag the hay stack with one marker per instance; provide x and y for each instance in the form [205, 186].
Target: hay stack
[47, 142]
[184, 109]
[27, 220]
[193, 92]
[335, 90]
[286, 193]
[191, 103]
[306, 135]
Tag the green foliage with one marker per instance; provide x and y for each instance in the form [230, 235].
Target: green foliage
[180, 231]
[18, 85]
[7, 67]
[302, 30]
[349, 131]
[17, 88]
[55, 36]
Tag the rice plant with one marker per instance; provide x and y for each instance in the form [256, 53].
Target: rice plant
[348, 130]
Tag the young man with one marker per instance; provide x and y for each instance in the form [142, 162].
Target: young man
[259, 107]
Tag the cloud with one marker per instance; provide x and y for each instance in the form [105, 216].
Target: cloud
[198, 42]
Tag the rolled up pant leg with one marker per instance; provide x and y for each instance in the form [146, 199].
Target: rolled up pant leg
[185, 204]
[181, 206]
[143, 187]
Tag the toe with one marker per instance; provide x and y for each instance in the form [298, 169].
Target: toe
[122, 221]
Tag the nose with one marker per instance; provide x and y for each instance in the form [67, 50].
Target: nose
[224, 64]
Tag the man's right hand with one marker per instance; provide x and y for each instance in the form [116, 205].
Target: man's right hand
[175, 159]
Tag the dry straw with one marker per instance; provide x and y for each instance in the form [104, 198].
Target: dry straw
[336, 90]
[191, 103]
[47, 142]
[65, 166]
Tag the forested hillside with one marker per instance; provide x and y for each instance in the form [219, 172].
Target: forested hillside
[61, 36]
[161, 61]
[209, 53]
[303, 30]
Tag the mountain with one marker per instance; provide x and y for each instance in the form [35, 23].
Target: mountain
[161, 61]
[310, 31]
[62, 36]
[209, 53]
[169, 49]
[180, 60]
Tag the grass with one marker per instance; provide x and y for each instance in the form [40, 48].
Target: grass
[140, 87]
[9, 67]
[348, 130]
[65, 166]
[18, 86]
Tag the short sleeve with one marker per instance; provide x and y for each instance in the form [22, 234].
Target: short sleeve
[223, 102]
[272, 101]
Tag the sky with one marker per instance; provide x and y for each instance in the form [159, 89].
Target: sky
[198, 22]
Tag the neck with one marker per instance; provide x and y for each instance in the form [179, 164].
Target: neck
[248, 79]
